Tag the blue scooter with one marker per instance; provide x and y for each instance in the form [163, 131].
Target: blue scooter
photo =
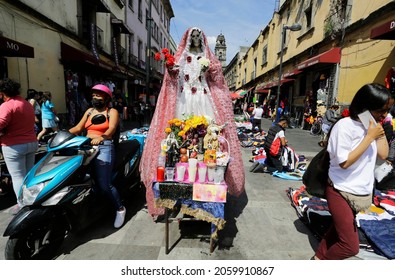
[57, 194]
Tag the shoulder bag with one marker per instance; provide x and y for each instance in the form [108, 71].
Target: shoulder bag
[315, 178]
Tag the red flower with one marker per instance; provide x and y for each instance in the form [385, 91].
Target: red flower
[193, 89]
[166, 56]
[189, 59]
[170, 62]
[186, 77]
[157, 56]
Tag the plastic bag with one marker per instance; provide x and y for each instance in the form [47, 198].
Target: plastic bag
[382, 171]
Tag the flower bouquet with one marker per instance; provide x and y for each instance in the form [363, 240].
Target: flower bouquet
[204, 64]
[192, 128]
[166, 57]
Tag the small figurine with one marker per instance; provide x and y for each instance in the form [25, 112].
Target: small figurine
[172, 155]
[211, 136]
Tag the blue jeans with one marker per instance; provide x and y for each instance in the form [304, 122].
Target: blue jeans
[19, 160]
[102, 165]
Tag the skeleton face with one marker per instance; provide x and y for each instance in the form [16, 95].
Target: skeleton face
[195, 36]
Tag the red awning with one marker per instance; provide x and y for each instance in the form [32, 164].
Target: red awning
[13, 48]
[261, 90]
[274, 84]
[331, 56]
[292, 73]
[385, 31]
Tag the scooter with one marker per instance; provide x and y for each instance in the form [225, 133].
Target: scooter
[58, 195]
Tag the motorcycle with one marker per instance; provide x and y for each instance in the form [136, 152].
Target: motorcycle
[58, 195]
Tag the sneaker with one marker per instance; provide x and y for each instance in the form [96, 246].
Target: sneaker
[120, 218]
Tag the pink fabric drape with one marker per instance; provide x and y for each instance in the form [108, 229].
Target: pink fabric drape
[165, 110]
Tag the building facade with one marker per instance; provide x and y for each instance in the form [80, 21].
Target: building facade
[340, 46]
[67, 46]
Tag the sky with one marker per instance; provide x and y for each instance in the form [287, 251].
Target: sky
[240, 21]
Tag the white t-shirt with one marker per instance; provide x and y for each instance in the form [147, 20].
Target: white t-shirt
[258, 112]
[358, 179]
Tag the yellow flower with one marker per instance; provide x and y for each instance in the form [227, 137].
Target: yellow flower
[168, 130]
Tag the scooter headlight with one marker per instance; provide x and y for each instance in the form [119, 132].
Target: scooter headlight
[29, 195]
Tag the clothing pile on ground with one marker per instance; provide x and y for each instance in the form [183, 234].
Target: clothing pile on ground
[250, 138]
[293, 164]
[376, 226]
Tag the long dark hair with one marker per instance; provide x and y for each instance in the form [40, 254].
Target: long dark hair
[370, 97]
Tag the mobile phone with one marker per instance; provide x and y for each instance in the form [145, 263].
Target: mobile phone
[365, 117]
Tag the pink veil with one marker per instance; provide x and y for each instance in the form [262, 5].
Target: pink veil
[165, 110]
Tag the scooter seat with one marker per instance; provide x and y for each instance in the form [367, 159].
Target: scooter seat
[125, 151]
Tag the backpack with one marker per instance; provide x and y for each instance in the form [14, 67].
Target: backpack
[272, 142]
[315, 178]
[275, 147]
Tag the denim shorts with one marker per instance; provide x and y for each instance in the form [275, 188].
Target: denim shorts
[106, 152]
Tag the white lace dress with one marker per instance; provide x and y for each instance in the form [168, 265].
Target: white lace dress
[193, 94]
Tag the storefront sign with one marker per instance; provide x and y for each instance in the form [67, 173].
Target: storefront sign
[13, 48]
[93, 42]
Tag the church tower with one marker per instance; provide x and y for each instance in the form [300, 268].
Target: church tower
[220, 50]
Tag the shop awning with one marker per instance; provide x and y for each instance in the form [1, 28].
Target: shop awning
[292, 73]
[261, 90]
[385, 31]
[13, 48]
[71, 54]
[121, 25]
[331, 56]
[273, 84]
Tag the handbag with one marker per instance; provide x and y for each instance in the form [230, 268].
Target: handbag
[315, 178]
[357, 203]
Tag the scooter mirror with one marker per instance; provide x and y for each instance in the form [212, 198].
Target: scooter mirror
[98, 119]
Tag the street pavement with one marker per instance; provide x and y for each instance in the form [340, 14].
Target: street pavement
[260, 224]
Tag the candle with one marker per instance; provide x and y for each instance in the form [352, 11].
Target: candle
[160, 174]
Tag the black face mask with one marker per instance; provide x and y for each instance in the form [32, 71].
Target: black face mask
[98, 103]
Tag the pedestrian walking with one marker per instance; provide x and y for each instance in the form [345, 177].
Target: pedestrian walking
[256, 115]
[48, 115]
[353, 150]
[18, 139]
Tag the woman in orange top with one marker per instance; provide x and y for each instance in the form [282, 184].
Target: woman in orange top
[101, 135]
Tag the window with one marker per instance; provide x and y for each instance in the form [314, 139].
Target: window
[308, 13]
[139, 50]
[264, 55]
[146, 18]
[140, 11]
[130, 3]
[131, 43]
